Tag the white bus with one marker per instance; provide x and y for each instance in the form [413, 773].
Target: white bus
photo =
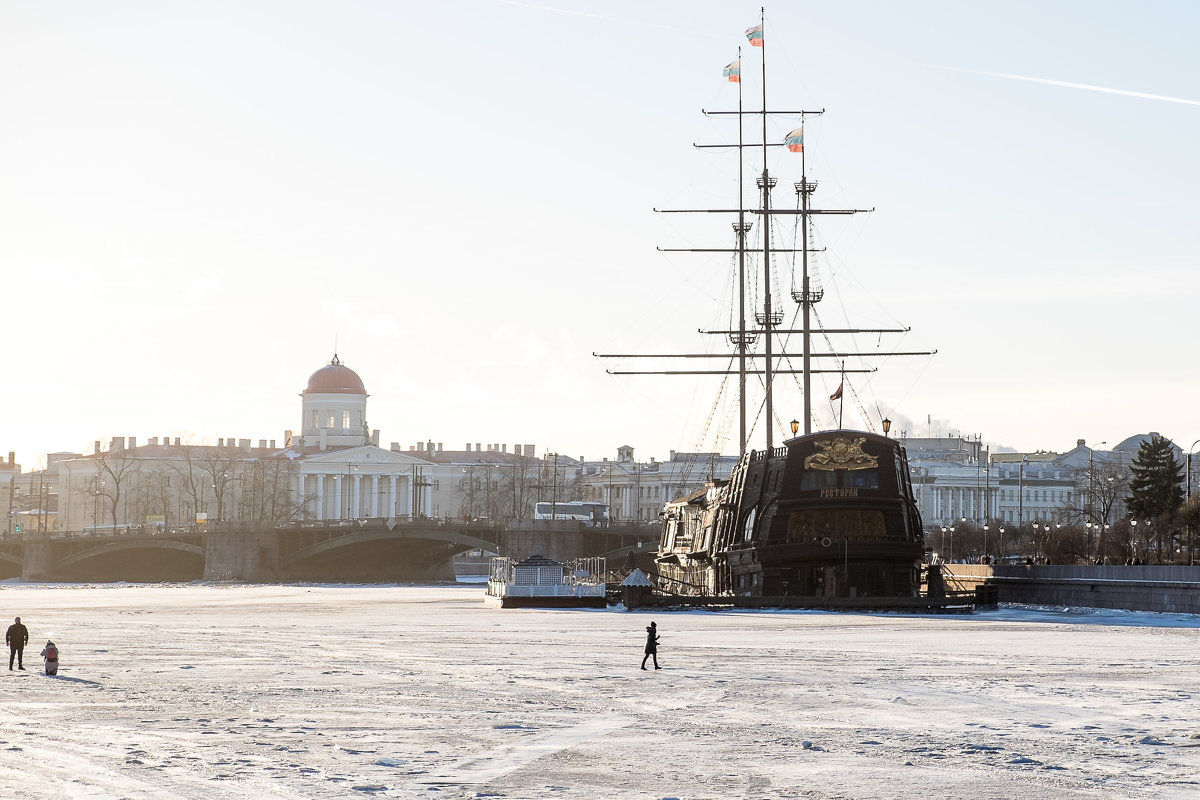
[592, 515]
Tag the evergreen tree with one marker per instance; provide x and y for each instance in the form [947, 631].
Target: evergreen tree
[1156, 490]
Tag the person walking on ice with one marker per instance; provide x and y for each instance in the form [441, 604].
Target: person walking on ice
[50, 654]
[651, 645]
[16, 637]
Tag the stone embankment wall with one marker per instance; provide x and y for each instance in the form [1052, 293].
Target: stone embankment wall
[1140, 588]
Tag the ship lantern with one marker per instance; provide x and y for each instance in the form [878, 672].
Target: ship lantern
[795, 427]
[887, 426]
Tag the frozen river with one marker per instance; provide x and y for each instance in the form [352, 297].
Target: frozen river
[201, 691]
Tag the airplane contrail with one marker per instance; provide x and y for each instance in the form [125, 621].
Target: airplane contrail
[1090, 88]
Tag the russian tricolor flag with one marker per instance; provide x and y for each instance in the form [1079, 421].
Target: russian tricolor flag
[755, 35]
[733, 71]
[795, 140]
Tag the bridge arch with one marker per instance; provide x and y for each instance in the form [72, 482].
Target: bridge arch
[449, 536]
[116, 547]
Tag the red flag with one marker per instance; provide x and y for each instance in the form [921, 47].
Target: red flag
[836, 395]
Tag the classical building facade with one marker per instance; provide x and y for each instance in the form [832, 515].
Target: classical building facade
[333, 470]
[637, 491]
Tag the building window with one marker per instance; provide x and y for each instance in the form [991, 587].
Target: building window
[345, 420]
[316, 421]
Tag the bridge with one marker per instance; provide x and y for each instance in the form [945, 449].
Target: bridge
[331, 550]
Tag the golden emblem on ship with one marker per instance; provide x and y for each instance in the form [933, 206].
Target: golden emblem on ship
[840, 452]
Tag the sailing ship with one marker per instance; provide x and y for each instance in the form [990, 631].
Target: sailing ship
[828, 513]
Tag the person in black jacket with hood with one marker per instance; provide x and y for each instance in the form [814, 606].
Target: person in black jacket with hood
[651, 645]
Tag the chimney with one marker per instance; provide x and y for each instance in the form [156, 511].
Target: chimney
[263, 443]
[478, 447]
[272, 445]
[220, 442]
[152, 441]
[117, 444]
[177, 441]
[439, 447]
[244, 444]
[503, 448]
[132, 442]
[12, 456]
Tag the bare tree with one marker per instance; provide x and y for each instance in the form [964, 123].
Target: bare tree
[116, 468]
[266, 490]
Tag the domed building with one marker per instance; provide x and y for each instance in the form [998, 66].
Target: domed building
[334, 408]
[342, 472]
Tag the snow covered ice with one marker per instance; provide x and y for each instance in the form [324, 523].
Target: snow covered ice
[214, 691]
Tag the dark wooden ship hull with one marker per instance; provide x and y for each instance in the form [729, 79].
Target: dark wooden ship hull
[827, 515]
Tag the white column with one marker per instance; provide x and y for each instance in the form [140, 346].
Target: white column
[356, 496]
[373, 503]
[297, 492]
[320, 511]
[391, 504]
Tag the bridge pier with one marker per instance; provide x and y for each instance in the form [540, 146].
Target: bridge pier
[559, 540]
[242, 555]
[37, 559]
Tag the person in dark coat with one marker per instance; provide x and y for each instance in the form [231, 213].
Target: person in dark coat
[16, 638]
[651, 645]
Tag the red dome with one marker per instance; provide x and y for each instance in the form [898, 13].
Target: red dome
[335, 379]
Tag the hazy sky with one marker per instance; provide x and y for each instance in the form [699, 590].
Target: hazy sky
[198, 199]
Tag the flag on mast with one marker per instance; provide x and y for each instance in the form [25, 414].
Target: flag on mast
[755, 35]
[838, 394]
[733, 71]
[795, 140]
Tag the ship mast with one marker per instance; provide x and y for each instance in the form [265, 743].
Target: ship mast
[740, 228]
[768, 319]
[765, 184]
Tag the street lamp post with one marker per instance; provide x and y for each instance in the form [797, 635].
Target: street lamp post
[1091, 494]
[1188, 489]
[1021, 494]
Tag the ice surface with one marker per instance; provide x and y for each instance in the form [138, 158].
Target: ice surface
[215, 691]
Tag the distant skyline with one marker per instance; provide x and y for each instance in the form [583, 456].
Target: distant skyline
[199, 201]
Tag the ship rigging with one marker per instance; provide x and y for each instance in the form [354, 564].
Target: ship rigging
[768, 317]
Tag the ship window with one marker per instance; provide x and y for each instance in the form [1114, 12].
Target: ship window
[750, 524]
[862, 479]
[805, 526]
[815, 480]
[818, 479]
